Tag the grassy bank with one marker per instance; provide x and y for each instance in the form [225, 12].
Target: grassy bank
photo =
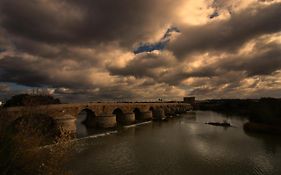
[21, 139]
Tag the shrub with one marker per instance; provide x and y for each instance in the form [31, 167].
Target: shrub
[30, 100]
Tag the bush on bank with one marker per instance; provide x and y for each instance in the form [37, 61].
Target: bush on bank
[264, 110]
[261, 128]
[31, 100]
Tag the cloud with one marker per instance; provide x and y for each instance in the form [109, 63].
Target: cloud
[146, 65]
[4, 88]
[228, 35]
[237, 84]
[36, 72]
[91, 50]
[263, 58]
[84, 22]
[264, 63]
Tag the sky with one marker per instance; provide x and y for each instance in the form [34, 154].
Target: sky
[142, 49]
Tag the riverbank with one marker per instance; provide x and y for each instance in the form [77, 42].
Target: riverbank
[262, 128]
[264, 114]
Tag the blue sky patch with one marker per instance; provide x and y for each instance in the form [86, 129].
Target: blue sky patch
[150, 47]
[2, 49]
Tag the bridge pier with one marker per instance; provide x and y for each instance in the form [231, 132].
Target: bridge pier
[173, 111]
[159, 114]
[67, 123]
[128, 118]
[169, 112]
[106, 121]
[146, 116]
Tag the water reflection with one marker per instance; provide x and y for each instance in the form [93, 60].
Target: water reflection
[269, 142]
[182, 145]
[191, 116]
[81, 129]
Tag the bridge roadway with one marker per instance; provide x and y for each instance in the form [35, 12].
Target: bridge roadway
[105, 115]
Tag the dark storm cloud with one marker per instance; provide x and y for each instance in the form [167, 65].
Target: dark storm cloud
[37, 20]
[228, 35]
[35, 72]
[264, 60]
[85, 57]
[161, 68]
[144, 65]
[264, 63]
[176, 76]
[85, 21]
[38, 48]
[16, 70]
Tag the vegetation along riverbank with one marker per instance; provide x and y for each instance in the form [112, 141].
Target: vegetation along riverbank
[21, 139]
[264, 114]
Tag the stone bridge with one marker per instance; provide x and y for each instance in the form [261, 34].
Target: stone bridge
[107, 115]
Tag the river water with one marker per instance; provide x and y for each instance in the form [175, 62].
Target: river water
[180, 146]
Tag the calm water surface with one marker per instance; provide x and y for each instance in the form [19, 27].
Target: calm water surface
[181, 146]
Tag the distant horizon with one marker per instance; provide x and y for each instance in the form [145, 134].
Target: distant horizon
[142, 101]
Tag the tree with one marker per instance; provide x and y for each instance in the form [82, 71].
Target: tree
[31, 100]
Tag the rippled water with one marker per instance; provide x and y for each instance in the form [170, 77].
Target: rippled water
[183, 145]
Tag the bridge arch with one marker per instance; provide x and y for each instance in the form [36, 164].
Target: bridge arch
[153, 110]
[119, 115]
[137, 113]
[86, 118]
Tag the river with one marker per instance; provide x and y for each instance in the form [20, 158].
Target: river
[180, 146]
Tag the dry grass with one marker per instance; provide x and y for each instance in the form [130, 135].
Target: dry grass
[21, 142]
